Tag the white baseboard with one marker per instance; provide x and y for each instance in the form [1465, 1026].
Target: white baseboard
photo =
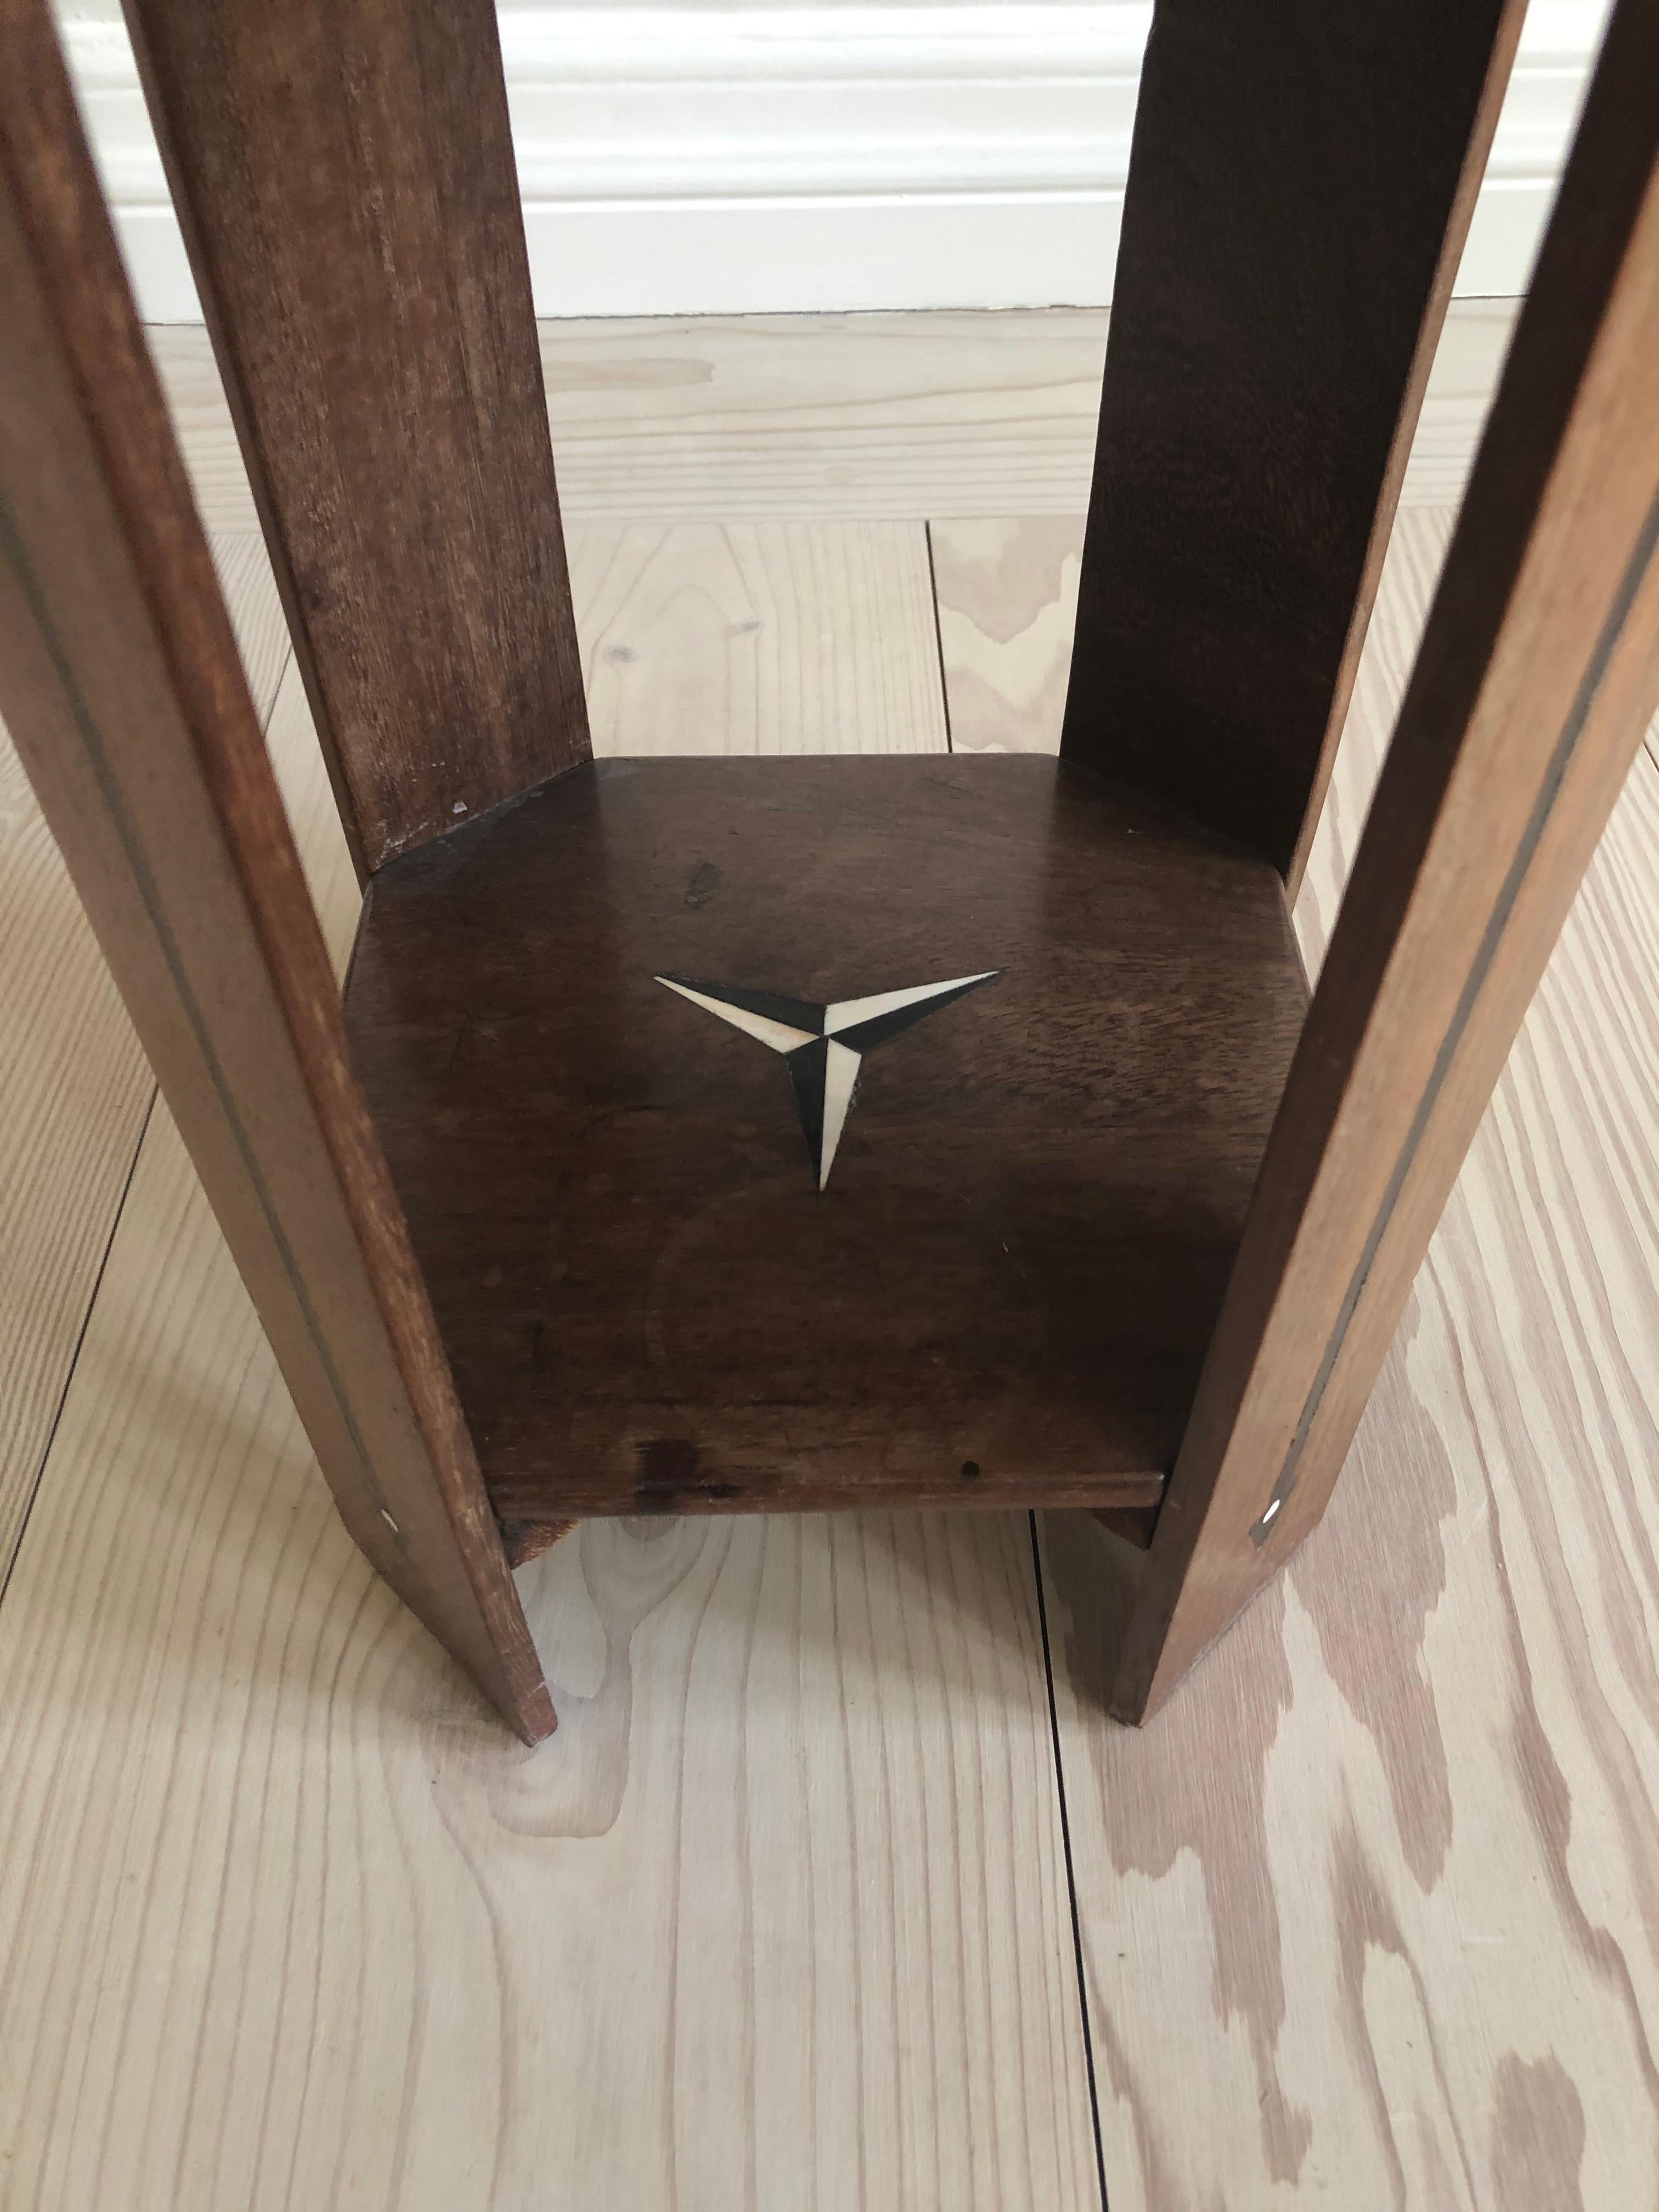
[761, 158]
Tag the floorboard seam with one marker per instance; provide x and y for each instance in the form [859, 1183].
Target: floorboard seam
[939, 637]
[44, 1459]
[1071, 1878]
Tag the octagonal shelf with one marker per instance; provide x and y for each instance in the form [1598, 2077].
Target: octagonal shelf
[1003, 1290]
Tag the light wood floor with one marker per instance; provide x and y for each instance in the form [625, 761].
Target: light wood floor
[790, 1911]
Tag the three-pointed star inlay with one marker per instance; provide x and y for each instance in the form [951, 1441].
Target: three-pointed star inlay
[823, 1045]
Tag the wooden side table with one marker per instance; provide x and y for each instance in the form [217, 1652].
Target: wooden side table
[730, 1136]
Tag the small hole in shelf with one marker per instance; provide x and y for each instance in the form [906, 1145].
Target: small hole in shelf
[969, 1469]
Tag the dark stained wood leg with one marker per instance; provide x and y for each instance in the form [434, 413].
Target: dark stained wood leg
[1538, 673]
[1300, 187]
[120, 682]
[344, 176]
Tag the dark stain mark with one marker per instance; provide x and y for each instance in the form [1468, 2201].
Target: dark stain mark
[668, 1466]
[668, 1459]
[669, 1480]
[705, 881]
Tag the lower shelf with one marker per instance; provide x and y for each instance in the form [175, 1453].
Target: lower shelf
[724, 1204]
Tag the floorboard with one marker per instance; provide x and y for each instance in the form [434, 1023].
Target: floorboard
[76, 1088]
[918, 416]
[1006, 589]
[757, 637]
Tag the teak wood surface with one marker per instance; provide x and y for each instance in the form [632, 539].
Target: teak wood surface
[1005, 1289]
[1300, 186]
[1537, 676]
[120, 681]
[344, 179]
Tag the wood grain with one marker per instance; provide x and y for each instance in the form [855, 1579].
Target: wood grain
[312, 1934]
[345, 178]
[76, 1085]
[1007, 608]
[766, 637]
[1300, 186]
[126, 699]
[1537, 675]
[1007, 1287]
[1368, 1911]
[301, 773]
[906, 416]
[1006, 599]
[255, 607]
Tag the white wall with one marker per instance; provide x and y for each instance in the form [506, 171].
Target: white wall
[684, 158]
